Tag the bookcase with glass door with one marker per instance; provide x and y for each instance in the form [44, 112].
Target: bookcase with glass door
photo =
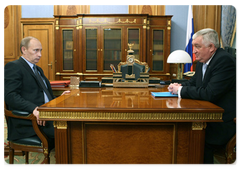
[86, 45]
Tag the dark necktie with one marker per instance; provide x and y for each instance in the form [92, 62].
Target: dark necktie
[40, 80]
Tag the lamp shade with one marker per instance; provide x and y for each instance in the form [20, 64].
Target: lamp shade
[179, 56]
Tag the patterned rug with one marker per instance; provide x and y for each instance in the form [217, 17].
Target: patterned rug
[34, 157]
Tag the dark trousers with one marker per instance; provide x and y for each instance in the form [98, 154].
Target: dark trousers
[48, 130]
[217, 137]
[209, 152]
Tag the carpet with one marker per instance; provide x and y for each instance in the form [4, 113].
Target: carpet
[34, 157]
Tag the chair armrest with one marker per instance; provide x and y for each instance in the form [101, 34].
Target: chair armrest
[19, 114]
[28, 116]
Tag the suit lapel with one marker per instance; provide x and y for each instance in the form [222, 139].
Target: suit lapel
[29, 70]
[27, 67]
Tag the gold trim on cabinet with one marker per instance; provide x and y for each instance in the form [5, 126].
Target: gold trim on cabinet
[68, 74]
[60, 124]
[169, 22]
[117, 22]
[70, 26]
[199, 125]
[66, 78]
[79, 23]
[91, 78]
[129, 116]
[57, 26]
[144, 21]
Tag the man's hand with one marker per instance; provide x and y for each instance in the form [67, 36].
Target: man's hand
[65, 92]
[36, 114]
[173, 88]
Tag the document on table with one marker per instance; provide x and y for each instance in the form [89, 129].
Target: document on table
[163, 94]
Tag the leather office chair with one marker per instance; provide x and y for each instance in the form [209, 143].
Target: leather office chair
[231, 149]
[37, 143]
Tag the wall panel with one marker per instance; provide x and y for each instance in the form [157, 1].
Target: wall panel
[71, 9]
[12, 15]
[207, 16]
[147, 9]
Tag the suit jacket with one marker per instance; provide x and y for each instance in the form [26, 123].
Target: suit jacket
[218, 87]
[24, 93]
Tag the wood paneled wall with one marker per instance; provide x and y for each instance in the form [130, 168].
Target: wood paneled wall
[85, 9]
[207, 16]
[12, 16]
[71, 9]
[147, 9]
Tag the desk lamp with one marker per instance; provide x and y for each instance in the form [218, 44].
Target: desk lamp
[179, 57]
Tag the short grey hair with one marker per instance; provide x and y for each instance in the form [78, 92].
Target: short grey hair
[25, 42]
[209, 36]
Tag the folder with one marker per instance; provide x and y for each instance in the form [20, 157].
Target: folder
[163, 94]
[61, 83]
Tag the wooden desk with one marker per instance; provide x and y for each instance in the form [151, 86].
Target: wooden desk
[128, 125]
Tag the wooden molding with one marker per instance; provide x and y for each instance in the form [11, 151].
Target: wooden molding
[12, 15]
[207, 16]
[71, 9]
[147, 9]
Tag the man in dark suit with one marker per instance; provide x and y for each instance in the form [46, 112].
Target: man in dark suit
[24, 92]
[216, 83]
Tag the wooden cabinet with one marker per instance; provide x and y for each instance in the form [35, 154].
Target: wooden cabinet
[86, 44]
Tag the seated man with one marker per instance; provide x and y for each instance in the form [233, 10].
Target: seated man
[26, 88]
[214, 81]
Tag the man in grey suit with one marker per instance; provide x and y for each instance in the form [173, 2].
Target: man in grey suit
[24, 91]
[214, 81]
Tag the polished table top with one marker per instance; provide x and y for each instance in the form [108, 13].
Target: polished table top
[128, 104]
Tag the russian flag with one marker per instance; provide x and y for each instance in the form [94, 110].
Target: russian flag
[189, 47]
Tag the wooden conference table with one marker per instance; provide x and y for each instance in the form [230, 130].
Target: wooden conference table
[128, 125]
